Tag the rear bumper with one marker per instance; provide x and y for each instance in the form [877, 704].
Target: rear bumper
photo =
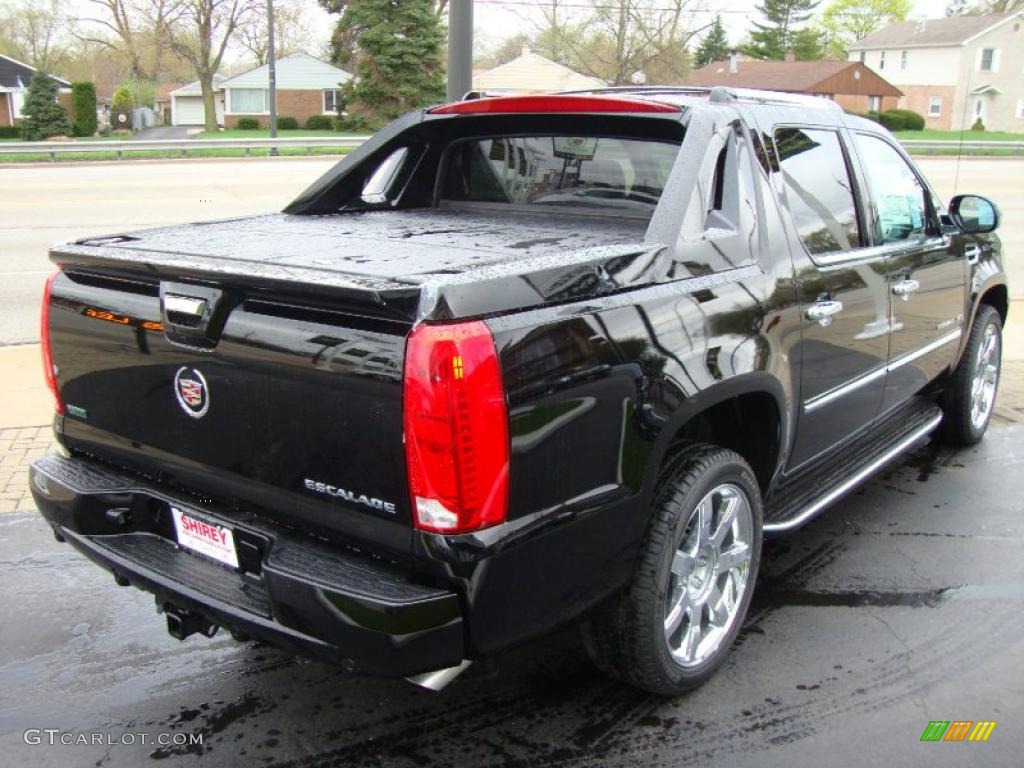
[343, 607]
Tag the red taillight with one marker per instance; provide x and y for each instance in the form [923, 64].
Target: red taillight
[49, 369]
[553, 103]
[456, 428]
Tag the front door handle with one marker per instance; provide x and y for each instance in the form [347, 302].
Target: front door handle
[823, 310]
[905, 287]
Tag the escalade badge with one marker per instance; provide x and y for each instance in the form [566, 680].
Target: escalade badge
[192, 393]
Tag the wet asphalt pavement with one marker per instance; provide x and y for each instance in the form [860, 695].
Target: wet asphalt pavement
[900, 605]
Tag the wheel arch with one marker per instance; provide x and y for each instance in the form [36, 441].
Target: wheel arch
[746, 414]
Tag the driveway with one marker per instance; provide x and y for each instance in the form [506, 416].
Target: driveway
[901, 605]
[161, 132]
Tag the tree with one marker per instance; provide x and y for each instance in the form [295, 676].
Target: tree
[784, 31]
[42, 116]
[201, 34]
[138, 31]
[83, 108]
[291, 30]
[714, 46]
[846, 21]
[344, 41]
[620, 41]
[397, 65]
[958, 8]
[36, 32]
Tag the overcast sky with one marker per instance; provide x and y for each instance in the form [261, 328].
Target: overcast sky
[498, 19]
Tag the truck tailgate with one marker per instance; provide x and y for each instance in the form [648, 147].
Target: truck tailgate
[295, 410]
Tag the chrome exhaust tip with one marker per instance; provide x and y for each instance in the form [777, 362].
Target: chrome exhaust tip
[438, 679]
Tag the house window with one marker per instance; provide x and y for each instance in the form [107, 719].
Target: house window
[881, 61]
[874, 103]
[249, 101]
[1020, 108]
[935, 106]
[988, 60]
[903, 60]
[863, 56]
[331, 101]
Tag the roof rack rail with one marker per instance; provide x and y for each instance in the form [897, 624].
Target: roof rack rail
[721, 94]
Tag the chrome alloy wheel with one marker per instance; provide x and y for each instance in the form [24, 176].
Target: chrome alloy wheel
[709, 575]
[986, 377]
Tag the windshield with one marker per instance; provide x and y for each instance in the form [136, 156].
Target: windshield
[626, 175]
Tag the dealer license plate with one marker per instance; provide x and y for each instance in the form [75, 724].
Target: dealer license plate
[208, 539]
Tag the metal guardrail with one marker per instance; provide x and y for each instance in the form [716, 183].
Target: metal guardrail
[184, 146]
[935, 146]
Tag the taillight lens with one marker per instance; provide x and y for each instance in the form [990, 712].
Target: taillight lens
[456, 428]
[49, 369]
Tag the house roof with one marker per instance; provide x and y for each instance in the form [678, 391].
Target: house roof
[929, 33]
[17, 74]
[795, 77]
[193, 89]
[297, 72]
[533, 72]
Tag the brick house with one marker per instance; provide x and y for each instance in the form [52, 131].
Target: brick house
[850, 84]
[306, 86]
[954, 70]
[15, 77]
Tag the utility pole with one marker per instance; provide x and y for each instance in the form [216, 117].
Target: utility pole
[460, 48]
[272, 71]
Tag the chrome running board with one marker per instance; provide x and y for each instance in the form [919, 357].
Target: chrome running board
[439, 679]
[836, 492]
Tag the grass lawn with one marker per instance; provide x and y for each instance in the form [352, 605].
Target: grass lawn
[264, 133]
[929, 135]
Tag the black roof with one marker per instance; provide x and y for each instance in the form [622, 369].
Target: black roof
[12, 70]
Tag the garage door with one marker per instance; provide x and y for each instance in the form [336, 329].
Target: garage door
[188, 110]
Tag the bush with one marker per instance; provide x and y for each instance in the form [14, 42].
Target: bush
[121, 107]
[287, 124]
[83, 108]
[248, 124]
[913, 120]
[43, 116]
[143, 93]
[893, 121]
[10, 132]
[320, 123]
[979, 125]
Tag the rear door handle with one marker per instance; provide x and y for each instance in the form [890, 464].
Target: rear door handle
[973, 253]
[905, 287]
[823, 310]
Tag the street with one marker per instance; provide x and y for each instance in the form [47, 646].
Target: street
[901, 605]
[49, 203]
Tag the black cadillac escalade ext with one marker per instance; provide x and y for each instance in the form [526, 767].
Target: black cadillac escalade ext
[516, 362]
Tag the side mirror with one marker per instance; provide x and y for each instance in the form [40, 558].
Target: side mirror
[973, 214]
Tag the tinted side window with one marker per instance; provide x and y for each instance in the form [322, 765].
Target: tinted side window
[818, 188]
[898, 195]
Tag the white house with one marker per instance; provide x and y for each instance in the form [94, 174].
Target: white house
[187, 103]
[533, 73]
[954, 70]
[306, 86]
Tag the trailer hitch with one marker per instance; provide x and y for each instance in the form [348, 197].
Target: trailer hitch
[182, 623]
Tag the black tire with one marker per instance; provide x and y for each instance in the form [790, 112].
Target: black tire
[627, 636]
[960, 425]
